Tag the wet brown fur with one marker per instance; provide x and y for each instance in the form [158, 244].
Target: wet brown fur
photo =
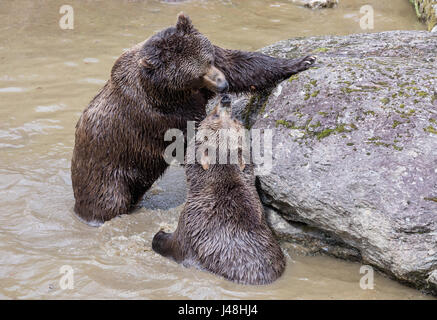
[222, 228]
[159, 84]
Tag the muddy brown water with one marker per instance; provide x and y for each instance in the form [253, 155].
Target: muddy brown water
[47, 77]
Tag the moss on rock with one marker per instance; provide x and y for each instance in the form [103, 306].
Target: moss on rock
[426, 11]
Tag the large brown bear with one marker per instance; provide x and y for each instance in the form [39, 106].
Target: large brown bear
[158, 84]
[222, 228]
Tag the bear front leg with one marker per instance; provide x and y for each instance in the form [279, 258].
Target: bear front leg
[254, 71]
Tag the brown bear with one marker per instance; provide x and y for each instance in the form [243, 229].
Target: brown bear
[158, 84]
[222, 228]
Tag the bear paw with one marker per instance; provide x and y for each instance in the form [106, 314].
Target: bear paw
[302, 64]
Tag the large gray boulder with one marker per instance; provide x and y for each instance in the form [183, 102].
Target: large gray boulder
[355, 151]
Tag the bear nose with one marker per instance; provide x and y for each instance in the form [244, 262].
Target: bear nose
[226, 100]
[223, 86]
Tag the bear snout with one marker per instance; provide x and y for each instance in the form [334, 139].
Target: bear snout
[223, 86]
[215, 80]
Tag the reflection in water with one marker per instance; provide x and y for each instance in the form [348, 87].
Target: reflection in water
[48, 76]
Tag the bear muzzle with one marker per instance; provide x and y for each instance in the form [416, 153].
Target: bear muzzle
[215, 80]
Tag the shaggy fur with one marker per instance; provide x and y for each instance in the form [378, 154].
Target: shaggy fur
[159, 84]
[222, 227]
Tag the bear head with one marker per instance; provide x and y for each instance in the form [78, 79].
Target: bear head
[221, 139]
[181, 58]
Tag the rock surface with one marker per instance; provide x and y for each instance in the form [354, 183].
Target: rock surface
[317, 4]
[355, 151]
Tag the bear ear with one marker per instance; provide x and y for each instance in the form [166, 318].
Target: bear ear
[146, 63]
[184, 23]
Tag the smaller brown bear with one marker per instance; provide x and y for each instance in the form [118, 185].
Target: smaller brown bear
[222, 228]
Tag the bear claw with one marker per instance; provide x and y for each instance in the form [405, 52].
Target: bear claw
[310, 60]
[306, 62]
